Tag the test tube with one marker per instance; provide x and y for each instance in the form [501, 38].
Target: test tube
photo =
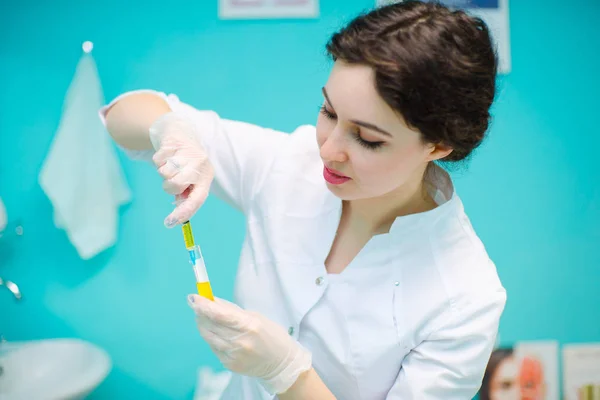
[202, 282]
[197, 261]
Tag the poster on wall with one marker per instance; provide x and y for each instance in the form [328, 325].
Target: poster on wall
[526, 371]
[581, 371]
[259, 9]
[495, 15]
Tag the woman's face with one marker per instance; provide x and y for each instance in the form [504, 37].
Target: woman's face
[504, 383]
[367, 148]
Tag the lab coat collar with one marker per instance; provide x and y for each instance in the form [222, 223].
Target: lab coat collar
[441, 189]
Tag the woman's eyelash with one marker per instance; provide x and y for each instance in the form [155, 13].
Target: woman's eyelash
[369, 145]
[326, 112]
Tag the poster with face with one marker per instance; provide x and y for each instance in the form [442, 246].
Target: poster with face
[495, 15]
[526, 371]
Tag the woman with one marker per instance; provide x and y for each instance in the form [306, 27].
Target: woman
[360, 275]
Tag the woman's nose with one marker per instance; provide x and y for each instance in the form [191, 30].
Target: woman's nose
[333, 149]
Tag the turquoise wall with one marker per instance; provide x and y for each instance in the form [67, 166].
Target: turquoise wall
[533, 190]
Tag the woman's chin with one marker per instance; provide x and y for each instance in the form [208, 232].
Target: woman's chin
[344, 191]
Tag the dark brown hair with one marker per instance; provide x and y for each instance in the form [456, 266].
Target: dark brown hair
[434, 65]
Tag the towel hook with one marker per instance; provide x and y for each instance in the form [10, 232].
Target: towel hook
[87, 46]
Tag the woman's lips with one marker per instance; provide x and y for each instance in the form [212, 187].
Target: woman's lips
[334, 177]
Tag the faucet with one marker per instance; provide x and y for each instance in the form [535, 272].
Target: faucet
[12, 228]
[14, 289]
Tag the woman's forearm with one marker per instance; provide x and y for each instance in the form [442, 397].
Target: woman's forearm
[309, 386]
[128, 121]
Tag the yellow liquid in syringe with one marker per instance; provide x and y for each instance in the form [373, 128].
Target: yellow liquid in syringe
[205, 290]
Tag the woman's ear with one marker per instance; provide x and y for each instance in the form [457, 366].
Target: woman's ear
[438, 151]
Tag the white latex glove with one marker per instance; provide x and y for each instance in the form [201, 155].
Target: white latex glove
[250, 344]
[183, 163]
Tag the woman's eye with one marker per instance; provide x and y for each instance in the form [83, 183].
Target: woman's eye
[328, 114]
[365, 143]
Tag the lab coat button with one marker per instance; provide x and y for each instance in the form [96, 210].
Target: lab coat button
[319, 281]
[291, 330]
[396, 283]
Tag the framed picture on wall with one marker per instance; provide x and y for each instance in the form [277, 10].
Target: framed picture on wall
[581, 371]
[527, 370]
[259, 9]
[539, 374]
[495, 14]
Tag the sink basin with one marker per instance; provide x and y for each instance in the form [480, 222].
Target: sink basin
[51, 369]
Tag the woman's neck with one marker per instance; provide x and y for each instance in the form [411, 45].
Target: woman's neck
[376, 215]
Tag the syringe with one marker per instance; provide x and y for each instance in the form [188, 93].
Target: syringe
[197, 261]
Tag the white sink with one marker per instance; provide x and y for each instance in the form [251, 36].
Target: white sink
[51, 369]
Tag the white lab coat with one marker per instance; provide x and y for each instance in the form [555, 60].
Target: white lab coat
[415, 314]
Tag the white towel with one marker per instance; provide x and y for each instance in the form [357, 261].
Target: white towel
[81, 174]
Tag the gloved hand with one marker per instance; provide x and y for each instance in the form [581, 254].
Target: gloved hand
[250, 344]
[183, 163]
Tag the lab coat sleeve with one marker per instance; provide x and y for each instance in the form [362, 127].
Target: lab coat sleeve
[241, 153]
[450, 364]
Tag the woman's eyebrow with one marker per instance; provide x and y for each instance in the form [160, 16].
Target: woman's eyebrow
[359, 123]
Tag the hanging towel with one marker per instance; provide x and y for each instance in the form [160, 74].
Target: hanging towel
[81, 174]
